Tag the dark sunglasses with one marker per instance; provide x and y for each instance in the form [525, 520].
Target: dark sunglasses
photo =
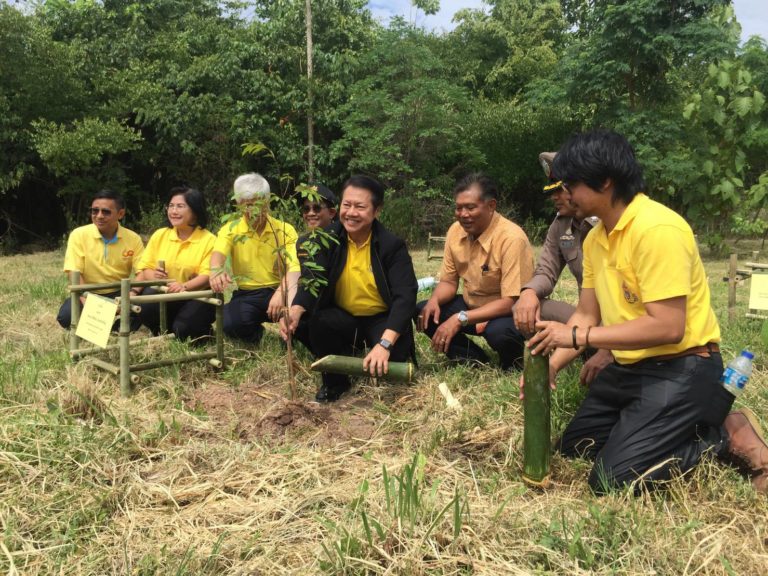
[307, 208]
[105, 211]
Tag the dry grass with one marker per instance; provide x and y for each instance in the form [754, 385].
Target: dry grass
[206, 473]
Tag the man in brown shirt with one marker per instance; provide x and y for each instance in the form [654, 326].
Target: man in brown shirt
[562, 247]
[493, 258]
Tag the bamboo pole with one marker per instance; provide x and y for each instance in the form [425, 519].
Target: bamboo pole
[732, 265]
[111, 368]
[74, 308]
[96, 349]
[171, 361]
[351, 366]
[113, 285]
[537, 423]
[200, 295]
[220, 330]
[123, 338]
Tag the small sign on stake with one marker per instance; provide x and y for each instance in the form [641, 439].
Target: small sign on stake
[96, 320]
[758, 291]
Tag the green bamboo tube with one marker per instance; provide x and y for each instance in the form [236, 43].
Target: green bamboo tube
[351, 366]
[171, 361]
[96, 350]
[538, 424]
[74, 301]
[109, 367]
[112, 285]
[220, 330]
[201, 295]
[123, 338]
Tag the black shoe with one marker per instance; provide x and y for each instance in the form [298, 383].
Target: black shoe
[331, 392]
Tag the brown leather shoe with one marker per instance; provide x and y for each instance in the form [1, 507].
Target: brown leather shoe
[747, 446]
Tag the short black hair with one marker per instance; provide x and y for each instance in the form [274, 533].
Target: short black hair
[196, 202]
[367, 183]
[594, 157]
[106, 194]
[487, 186]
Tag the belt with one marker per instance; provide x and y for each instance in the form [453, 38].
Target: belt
[705, 351]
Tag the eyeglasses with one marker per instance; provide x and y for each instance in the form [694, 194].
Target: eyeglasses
[307, 208]
[105, 211]
[177, 206]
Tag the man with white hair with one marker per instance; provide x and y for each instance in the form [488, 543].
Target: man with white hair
[263, 262]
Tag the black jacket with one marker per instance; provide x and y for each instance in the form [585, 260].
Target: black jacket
[392, 269]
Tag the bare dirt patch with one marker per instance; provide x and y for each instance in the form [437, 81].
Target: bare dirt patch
[251, 412]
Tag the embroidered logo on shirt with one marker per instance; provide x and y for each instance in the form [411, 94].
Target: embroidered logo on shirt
[127, 253]
[629, 296]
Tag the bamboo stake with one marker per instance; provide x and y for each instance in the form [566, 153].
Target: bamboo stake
[351, 366]
[113, 285]
[95, 349]
[123, 338]
[200, 295]
[220, 330]
[172, 361]
[111, 368]
[537, 421]
[732, 265]
[74, 306]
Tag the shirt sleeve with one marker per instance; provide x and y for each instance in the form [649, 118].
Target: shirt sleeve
[588, 278]
[205, 263]
[448, 267]
[290, 249]
[223, 243]
[549, 266]
[148, 257]
[74, 258]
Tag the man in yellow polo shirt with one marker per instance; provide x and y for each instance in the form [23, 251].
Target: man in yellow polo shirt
[660, 406]
[102, 251]
[493, 258]
[263, 262]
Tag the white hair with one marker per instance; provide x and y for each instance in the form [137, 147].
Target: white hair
[251, 186]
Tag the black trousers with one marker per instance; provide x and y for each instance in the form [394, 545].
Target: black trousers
[336, 331]
[190, 319]
[245, 314]
[64, 317]
[500, 333]
[649, 419]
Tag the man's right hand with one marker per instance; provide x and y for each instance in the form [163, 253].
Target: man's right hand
[219, 282]
[527, 311]
[289, 323]
[431, 311]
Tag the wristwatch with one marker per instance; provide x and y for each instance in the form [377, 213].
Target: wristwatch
[386, 344]
[463, 318]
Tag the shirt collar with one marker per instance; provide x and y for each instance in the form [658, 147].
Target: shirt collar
[118, 233]
[631, 211]
[194, 237]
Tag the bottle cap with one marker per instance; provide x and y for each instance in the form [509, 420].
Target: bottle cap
[748, 354]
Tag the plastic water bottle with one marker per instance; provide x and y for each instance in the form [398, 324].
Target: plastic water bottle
[737, 373]
[426, 283]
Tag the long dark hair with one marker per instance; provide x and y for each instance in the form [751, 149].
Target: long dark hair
[196, 202]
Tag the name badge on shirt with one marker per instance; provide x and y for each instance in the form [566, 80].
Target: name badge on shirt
[567, 241]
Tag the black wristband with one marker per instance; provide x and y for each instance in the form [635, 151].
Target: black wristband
[573, 334]
[586, 339]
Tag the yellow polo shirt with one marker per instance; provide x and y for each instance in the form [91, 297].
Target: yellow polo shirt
[650, 255]
[98, 262]
[356, 290]
[255, 262]
[494, 265]
[184, 259]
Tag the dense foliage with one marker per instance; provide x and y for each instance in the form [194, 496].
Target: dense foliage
[143, 95]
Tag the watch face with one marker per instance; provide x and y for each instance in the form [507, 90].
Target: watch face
[386, 344]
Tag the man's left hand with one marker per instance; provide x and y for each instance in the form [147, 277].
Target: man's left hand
[445, 333]
[377, 361]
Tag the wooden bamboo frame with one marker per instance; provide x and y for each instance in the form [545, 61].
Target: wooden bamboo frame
[124, 370]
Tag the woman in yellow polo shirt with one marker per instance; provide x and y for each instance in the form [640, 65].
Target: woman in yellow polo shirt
[182, 253]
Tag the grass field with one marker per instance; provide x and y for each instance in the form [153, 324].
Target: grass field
[215, 473]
